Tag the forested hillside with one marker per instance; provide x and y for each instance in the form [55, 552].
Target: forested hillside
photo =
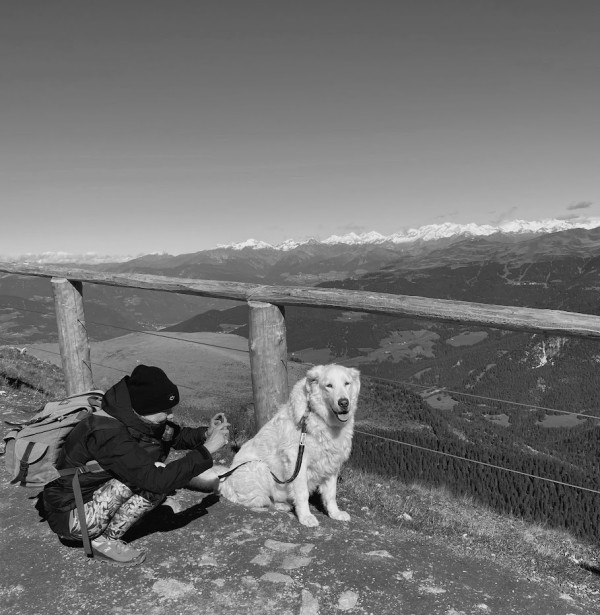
[395, 415]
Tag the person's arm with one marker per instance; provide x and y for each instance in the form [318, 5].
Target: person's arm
[122, 456]
[187, 438]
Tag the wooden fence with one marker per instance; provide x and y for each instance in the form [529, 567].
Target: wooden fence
[266, 318]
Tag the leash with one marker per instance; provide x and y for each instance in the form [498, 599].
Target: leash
[223, 476]
[300, 454]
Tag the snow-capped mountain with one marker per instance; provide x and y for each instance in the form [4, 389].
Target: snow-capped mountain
[429, 232]
[351, 256]
[406, 241]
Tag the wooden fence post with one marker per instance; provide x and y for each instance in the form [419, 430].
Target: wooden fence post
[72, 335]
[268, 358]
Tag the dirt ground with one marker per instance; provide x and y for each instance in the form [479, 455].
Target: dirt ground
[216, 557]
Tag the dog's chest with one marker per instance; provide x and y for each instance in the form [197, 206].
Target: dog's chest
[325, 455]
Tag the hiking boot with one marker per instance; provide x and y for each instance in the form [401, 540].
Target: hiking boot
[116, 552]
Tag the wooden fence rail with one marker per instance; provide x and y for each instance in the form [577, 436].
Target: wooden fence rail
[267, 336]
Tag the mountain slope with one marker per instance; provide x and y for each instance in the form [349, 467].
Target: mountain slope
[312, 262]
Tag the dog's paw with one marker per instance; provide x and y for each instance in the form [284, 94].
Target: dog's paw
[340, 515]
[309, 520]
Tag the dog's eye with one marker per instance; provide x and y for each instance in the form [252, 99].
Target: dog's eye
[329, 386]
[347, 384]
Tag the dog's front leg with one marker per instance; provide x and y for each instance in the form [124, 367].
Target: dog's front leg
[300, 494]
[329, 499]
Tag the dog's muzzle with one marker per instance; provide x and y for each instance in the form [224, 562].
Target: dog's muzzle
[343, 412]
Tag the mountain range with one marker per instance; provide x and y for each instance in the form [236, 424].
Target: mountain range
[500, 267]
[312, 262]
[428, 233]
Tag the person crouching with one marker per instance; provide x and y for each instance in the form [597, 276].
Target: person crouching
[130, 440]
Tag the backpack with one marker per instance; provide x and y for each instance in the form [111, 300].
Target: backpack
[32, 448]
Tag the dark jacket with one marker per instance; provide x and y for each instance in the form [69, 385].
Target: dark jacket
[127, 448]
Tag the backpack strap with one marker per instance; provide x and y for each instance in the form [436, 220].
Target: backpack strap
[92, 466]
[21, 477]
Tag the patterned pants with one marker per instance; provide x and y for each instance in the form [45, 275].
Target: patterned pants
[113, 510]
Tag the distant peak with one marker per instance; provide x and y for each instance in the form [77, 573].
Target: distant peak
[430, 232]
[353, 238]
[253, 244]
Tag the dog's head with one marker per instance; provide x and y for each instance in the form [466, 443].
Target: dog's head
[333, 392]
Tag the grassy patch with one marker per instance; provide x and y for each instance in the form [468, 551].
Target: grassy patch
[19, 370]
[537, 552]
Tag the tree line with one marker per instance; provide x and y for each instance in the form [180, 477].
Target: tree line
[397, 414]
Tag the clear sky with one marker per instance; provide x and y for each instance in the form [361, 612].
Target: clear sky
[131, 126]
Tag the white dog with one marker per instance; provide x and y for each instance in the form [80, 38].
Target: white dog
[325, 401]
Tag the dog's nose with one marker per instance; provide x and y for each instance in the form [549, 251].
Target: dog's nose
[343, 403]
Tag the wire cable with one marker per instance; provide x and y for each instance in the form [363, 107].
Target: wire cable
[117, 369]
[130, 330]
[371, 377]
[494, 399]
[483, 463]
[407, 444]
[442, 389]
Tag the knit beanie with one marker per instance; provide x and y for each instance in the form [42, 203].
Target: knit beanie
[150, 390]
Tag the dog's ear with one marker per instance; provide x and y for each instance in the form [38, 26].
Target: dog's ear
[313, 375]
[355, 375]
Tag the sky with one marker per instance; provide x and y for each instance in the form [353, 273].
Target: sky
[129, 127]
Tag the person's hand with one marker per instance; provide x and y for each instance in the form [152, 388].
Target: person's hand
[217, 421]
[218, 438]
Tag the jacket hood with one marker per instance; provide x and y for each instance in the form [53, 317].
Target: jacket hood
[117, 403]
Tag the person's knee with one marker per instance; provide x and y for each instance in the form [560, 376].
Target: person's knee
[155, 499]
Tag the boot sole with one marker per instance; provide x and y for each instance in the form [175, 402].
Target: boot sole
[111, 562]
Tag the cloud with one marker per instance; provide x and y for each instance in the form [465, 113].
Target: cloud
[62, 258]
[580, 205]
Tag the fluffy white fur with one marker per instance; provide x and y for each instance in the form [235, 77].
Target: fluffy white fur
[328, 395]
